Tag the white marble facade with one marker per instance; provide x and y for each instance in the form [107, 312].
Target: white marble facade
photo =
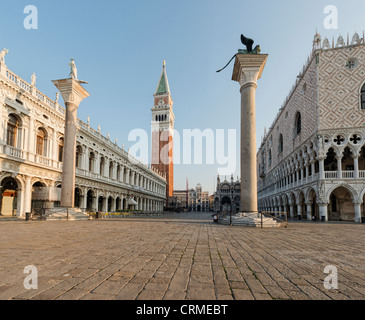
[311, 163]
[31, 140]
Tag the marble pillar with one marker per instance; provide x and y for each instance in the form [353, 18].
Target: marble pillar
[247, 70]
[72, 93]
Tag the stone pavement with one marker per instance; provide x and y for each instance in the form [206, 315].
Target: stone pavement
[177, 257]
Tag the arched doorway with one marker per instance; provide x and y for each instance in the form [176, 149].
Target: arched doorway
[312, 206]
[117, 204]
[9, 197]
[100, 203]
[226, 204]
[110, 204]
[38, 203]
[89, 201]
[78, 196]
[341, 207]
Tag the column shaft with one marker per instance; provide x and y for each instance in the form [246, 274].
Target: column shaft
[69, 161]
[248, 149]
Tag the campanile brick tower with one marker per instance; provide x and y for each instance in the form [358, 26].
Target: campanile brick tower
[162, 133]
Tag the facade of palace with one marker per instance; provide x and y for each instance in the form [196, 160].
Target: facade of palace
[227, 198]
[31, 150]
[311, 162]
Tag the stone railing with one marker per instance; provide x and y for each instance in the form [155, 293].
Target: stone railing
[11, 76]
[95, 176]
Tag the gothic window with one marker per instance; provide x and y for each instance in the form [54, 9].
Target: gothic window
[156, 118]
[363, 97]
[13, 125]
[270, 158]
[281, 144]
[41, 142]
[60, 150]
[298, 124]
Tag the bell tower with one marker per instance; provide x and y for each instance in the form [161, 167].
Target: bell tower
[163, 132]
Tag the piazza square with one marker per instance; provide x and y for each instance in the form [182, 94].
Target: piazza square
[180, 257]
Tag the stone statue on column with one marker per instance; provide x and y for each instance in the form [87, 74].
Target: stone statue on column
[73, 73]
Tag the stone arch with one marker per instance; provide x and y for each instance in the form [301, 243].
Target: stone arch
[285, 202]
[78, 195]
[90, 196]
[10, 195]
[39, 180]
[353, 193]
[309, 193]
[341, 199]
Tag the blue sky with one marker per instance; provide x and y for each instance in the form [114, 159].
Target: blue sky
[119, 47]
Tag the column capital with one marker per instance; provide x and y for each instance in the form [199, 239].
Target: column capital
[71, 90]
[248, 68]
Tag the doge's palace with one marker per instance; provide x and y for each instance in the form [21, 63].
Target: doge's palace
[311, 162]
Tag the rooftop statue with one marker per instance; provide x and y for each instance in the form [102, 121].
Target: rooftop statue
[2, 55]
[249, 44]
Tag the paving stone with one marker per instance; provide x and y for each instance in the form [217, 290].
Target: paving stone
[174, 257]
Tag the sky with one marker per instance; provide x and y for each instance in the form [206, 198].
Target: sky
[119, 47]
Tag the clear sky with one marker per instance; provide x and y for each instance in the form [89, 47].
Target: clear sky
[119, 47]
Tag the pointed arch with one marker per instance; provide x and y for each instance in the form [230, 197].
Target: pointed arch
[298, 124]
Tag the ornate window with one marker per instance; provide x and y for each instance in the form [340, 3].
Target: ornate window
[60, 150]
[363, 97]
[13, 125]
[41, 142]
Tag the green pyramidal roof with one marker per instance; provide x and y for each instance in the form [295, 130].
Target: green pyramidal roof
[163, 85]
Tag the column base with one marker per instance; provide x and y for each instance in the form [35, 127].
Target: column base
[246, 219]
[60, 214]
